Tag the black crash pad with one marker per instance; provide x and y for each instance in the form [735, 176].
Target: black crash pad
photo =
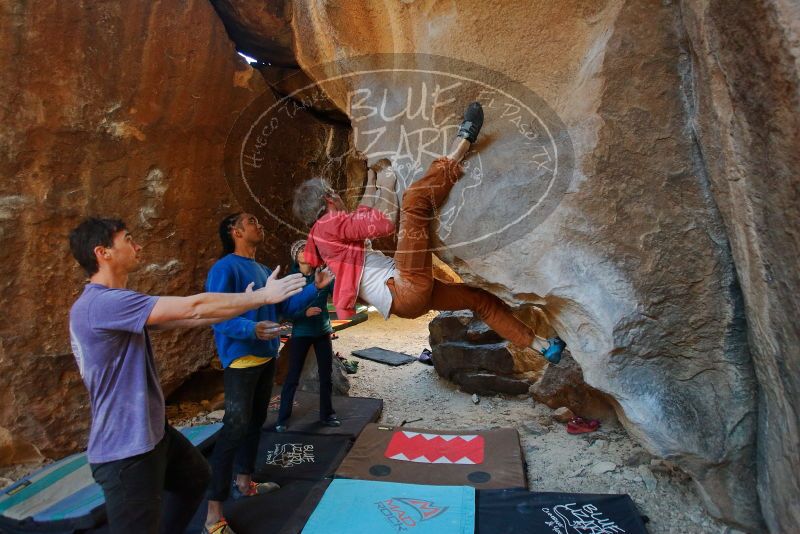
[291, 456]
[389, 357]
[355, 413]
[524, 512]
[281, 512]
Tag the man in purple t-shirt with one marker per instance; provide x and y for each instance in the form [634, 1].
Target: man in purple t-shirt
[134, 454]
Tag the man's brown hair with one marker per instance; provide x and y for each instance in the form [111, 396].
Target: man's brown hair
[381, 164]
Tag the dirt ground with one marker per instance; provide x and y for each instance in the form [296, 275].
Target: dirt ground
[606, 461]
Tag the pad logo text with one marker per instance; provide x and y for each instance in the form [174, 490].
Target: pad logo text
[573, 519]
[290, 454]
[405, 513]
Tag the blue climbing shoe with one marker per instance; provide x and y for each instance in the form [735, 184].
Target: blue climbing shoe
[553, 352]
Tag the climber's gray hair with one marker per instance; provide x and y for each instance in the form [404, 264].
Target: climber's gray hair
[309, 200]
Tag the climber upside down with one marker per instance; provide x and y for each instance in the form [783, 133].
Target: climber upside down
[403, 285]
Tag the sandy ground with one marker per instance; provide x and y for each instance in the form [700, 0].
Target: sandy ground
[606, 461]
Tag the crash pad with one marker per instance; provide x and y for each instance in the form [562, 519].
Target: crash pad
[63, 496]
[368, 507]
[337, 324]
[388, 357]
[291, 456]
[524, 512]
[354, 413]
[280, 512]
[480, 458]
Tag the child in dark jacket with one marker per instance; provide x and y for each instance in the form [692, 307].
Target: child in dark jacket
[311, 326]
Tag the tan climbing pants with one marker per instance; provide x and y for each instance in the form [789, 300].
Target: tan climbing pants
[414, 289]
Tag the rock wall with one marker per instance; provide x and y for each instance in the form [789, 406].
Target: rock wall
[744, 98]
[673, 128]
[633, 269]
[116, 108]
[667, 261]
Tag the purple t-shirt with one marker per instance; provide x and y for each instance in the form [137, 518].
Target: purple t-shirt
[112, 348]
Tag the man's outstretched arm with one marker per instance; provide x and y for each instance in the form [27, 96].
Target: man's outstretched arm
[209, 308]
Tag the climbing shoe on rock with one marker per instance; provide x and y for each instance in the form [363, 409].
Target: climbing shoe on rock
[253, 489]
[553, 352]
[471, 125]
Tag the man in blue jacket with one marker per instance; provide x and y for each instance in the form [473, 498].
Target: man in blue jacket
[247, 346]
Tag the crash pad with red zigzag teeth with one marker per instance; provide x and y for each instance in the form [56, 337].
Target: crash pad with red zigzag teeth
[483, 459]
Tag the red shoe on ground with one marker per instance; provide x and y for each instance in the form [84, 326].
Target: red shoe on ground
[579, 425]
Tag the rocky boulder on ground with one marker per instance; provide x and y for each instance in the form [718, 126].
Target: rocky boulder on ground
[467, 352]
[563, 385]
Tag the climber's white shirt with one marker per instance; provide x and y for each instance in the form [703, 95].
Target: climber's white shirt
[378, 268]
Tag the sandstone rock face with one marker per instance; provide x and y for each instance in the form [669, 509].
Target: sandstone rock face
[260, 29]
[632, 262]
[660, 137]
[745, 94]
[116, 108]
[468, 353]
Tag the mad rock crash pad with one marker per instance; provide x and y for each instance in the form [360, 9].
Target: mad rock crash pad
[367, 507]
[483, 459]
[523, 512]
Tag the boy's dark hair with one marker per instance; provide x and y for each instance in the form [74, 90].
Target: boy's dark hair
[90, 233]
[225, 227]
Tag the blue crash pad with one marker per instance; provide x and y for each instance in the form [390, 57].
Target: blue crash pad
[370, 507]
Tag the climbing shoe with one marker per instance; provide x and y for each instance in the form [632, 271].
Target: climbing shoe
[253, 489]
[553, 352]
[331, 420]
[281, 427]
[350, 366]
[471, 125]
[220, 527]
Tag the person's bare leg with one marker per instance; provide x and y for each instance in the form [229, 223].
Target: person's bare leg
[386, 202]
[370, 191]
[214, 513]
[539, 344]
[459, 149]
[243, 481]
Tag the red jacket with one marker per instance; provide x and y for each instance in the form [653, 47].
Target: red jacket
[337, 239]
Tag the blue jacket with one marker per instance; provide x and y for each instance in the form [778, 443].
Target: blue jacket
[237, 337]
[317, 325]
